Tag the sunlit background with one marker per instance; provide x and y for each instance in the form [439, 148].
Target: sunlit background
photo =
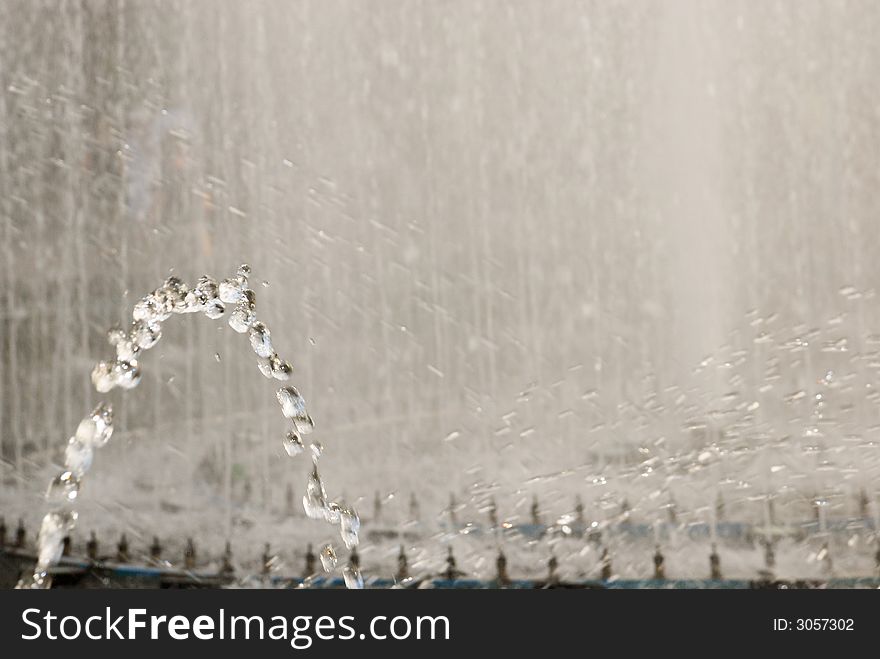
[621, 251]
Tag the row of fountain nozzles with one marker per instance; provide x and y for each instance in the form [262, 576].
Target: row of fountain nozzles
[501, 576]
[267, 560]
[20, 534]
[122, 548]
[625, 509]
[535, 517]
[451, 572]
[535, 512]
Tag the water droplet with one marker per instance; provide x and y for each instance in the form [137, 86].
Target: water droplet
[261, 340]
[241, 319]
[214, 309]
[317, 449]
[127, 350]
[149, 308]
[281, 370]
[126, 374]
[315, 498]
[175, 294]
[349, 526]
[64, 488]
[144, 335]
[332, 513]
[230, 291]
[102, 377]
[205, 290]
[293, 407]
[115, 335]
[96, 428]
[328, 557]
[353, 578]
[265, 367]
[293, 443]
[192, 302]
[78, 457]
[50, 540]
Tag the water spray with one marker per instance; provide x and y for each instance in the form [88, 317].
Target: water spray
[174, 297]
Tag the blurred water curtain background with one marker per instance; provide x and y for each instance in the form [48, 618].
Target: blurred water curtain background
[620, 250]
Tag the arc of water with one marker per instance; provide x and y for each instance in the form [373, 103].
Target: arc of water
[94, 431]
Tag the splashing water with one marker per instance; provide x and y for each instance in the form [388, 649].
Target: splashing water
[94, 431]
[55, 526]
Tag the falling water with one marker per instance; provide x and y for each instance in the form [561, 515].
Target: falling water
[621, 251]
